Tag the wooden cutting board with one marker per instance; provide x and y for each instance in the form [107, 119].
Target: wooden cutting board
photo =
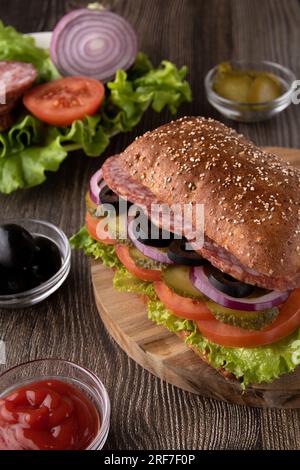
[167, 356]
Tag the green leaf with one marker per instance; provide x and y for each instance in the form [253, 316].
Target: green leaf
[16, 46]
[24, 164]
[26, 168]
[25, 132]
[126, 282]
[82, 241]
[86, 135]
[141, 67]
[134, 92]
[158, 313]
[166, 86]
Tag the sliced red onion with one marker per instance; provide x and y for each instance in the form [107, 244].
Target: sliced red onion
[150, 251]
[200, 281]
[95, 187]
[94, 43]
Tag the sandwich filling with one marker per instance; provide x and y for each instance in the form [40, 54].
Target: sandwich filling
[250, 365]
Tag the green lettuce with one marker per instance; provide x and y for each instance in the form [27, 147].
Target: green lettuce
[16, 46]
[97, 250]
[126, 282]
[31, 148]
[132, 93]
[250, 365]
[158, 313]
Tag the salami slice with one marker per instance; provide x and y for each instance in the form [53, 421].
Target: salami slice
[121, 183]
[16, 78]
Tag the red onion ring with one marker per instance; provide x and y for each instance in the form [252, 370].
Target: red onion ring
[95, 188]
[94, 43]
[201, 283]
[151, 252]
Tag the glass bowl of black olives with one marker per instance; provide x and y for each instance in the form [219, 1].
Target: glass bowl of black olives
[35, 260]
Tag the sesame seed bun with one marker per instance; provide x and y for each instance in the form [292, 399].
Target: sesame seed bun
[251, 197]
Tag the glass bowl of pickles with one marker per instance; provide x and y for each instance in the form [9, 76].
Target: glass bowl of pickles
[249, 91]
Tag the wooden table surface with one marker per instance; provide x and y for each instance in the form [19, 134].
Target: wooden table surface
[147, 413]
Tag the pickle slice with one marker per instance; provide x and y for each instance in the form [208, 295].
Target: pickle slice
[264, 88]
[246, 320]
[233, 86]
[177, 278]
[143, 261]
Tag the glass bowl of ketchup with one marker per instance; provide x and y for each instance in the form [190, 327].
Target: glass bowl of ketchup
[52, 404]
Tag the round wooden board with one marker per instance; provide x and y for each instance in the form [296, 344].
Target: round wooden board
[166, 355]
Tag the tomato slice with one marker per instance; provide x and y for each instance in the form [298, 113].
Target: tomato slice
[61, 102]
[284, 325]
[122, 252]
[182, 307]
[96, 231]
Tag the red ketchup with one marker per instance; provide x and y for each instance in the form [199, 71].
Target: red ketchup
[47, 415]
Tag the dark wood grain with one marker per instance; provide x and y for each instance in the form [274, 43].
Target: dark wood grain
[147, 413]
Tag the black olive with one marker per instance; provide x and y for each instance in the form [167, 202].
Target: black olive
[107, 196]
[227, 284]
[3, 282]
[46, 262]
[17, 282]
[14, 281]
[180, 255]
[17, 247]
[150, 235]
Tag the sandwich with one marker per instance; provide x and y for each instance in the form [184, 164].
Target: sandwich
[226, 278]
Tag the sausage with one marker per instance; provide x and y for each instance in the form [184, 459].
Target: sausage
[16, 78]
[120, 182]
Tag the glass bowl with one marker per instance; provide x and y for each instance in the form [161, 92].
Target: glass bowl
[40, 293]
[69, 372]
[252, 112]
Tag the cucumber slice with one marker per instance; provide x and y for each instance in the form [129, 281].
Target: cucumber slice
[143, 261]
[246, 320]
[177, 278]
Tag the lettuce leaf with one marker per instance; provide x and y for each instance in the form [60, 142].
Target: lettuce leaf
[133, 92]
[31, 148]
[250, 365]
[126, 282]
[158, 313]
[97, 250]
[16, 46]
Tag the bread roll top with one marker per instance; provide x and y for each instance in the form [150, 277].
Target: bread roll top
[251, 197]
